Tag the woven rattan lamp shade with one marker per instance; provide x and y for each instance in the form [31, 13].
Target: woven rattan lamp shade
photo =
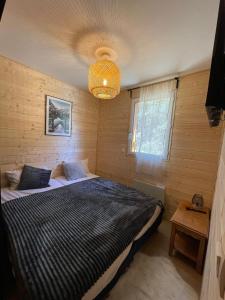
[104, 79]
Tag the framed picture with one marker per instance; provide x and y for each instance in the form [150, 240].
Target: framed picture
[58, 119]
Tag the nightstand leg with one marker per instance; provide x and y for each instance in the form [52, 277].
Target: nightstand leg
[201, 253]
[172, 237]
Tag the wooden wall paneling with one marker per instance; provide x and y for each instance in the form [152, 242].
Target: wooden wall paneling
[194, 150]
[210, 285]
[195, 141]
[22, 120]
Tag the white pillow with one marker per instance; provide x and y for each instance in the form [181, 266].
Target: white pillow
[74, 170]
[13, 178]
[85, 164]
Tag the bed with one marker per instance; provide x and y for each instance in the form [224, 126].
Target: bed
[73, 239]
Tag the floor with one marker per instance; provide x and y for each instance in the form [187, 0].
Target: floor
[155, 275]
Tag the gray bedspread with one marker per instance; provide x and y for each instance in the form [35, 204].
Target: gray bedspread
[65, 239]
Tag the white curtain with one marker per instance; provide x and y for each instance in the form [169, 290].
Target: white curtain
[153, 115]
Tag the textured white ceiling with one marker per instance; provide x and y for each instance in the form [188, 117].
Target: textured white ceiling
[153, 38]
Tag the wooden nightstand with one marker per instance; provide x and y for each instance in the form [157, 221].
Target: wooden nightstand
[189, 233]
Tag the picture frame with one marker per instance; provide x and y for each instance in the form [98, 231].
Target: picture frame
[58, 116]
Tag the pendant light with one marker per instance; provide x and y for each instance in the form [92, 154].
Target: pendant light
[104, 75]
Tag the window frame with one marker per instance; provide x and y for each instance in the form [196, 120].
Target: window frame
[136, 100]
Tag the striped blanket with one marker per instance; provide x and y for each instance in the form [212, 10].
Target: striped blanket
[65, 239]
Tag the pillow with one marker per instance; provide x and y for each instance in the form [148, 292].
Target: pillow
[13, 178]
[34, 178]
[74, 170]
[85, 164]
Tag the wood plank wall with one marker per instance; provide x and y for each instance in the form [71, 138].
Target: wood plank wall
[194, 151]
[195, 146]
[22, 119]
[210, 285]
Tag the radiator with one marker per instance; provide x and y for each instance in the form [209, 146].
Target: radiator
[149, 189]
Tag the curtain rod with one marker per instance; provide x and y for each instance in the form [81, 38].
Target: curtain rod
[154, 82]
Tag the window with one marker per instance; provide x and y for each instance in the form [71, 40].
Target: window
[151, 122]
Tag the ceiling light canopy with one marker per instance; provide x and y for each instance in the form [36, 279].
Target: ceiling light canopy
[104, 75]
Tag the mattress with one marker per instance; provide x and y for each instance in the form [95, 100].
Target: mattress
[62, 180]
[109, 274]
[7, 194]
